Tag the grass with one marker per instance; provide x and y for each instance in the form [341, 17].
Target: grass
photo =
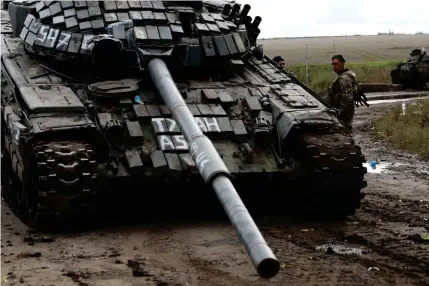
[410, 131]
[355, 49]
[371, 58]
[321, 76]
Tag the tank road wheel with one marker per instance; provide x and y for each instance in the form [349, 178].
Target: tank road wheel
[9, 183]
[7, 178]
[34, 213]
[17, 194]
[20, 196]
[394, 75]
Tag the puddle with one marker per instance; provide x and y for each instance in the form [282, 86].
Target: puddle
[390, 168]
[381, 167]
[341, 249]
[393, 100]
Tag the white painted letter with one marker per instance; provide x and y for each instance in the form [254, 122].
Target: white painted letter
[165, 142]
[200, 124]
[212, 124]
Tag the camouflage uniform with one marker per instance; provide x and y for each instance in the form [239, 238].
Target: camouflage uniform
[340, 96]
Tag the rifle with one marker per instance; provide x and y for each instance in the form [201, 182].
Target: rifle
[360, 97]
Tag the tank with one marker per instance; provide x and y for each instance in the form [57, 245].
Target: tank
[165, 98]
[413, 74]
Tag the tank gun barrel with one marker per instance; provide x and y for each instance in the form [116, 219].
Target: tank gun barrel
[214, 172]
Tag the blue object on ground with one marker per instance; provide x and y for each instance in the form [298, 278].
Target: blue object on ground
[138, 99]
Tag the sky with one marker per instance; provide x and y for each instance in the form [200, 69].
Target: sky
[301, 18]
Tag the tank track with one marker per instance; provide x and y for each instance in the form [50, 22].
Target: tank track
[64, 181]
[333, 172]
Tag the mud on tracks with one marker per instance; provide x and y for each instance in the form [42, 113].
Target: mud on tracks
[383, 244]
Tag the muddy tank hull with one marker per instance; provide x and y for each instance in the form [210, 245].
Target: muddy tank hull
[72, 138]
[169, 163]
[413, 74]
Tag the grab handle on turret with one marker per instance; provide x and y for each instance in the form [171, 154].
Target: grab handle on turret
[214, 172]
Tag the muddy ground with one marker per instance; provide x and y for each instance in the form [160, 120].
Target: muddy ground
[383, 244]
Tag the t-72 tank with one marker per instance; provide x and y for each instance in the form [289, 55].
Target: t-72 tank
[414, 73]
[166, 97]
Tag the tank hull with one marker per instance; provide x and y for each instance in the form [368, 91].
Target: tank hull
[68, 152]
[413, 74]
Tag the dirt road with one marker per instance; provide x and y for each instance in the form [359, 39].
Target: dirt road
[384, 244]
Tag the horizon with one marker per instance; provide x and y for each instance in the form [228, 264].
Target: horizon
[281, 19]
[371, 35]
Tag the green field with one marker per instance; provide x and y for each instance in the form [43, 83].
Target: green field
[409, 131]
[370, 57]
[356, 49]
[320, 76]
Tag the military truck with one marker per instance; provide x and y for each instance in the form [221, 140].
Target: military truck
[164, 97]
[413, 74]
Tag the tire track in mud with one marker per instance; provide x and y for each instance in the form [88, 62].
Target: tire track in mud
[413, 213]
[192, 253]
[379, 249]
[395, 211]
[387, 228]
[327, 266]
[394, 233]
[180, 255]
[148, 261]
[406, 253]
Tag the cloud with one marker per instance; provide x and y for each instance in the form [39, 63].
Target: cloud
[282, 18]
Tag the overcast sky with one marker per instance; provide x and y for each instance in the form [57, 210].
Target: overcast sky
[300, 18]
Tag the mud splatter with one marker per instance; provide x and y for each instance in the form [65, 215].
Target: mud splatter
[383, 244]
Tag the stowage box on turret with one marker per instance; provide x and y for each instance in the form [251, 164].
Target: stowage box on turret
[164, 96]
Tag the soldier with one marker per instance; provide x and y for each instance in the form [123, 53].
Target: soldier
[342, 92]
[280, 61]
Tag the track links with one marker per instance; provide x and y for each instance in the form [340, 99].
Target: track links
[64, 181]
[335, 171]
[66, 174]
